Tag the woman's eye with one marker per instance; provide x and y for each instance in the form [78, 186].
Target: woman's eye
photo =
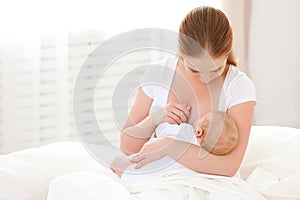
[194, 71]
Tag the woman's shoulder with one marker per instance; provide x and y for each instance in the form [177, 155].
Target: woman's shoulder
[237, 88]
[236, 77]
[160, 70]
[157, 74]
[165, 63]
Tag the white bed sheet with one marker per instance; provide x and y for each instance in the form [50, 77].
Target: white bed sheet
[178, 184]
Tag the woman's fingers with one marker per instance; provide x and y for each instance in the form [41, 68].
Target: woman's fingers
[174, 118]
[178, 113]
[140, 161]
[141, 164]
[185, 109]
[137, 158]
[174, 113]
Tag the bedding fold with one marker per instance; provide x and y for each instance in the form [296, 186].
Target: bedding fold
[177, 184]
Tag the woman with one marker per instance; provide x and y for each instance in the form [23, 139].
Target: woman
[204, 79]
[213, 82]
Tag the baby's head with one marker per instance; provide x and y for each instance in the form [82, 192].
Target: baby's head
[216, 132]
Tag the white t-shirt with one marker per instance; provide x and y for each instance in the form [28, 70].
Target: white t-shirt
[156, 81]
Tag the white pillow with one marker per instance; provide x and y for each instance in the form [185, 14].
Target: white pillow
[27, 174]
[274, 149]
[22, 180]
[272, 164]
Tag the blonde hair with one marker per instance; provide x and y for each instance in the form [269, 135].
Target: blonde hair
[223, 143]
[210, 29]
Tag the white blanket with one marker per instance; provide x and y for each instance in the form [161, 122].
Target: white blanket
[271, 166]
[178, 184]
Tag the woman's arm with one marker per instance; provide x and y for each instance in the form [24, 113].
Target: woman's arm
[188, 154]
[140, 125]
[139, 113]
[223, 165]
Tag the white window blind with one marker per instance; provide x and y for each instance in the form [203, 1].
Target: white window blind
[37, 84]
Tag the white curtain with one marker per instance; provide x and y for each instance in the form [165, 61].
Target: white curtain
[238, 13]
[19, 77]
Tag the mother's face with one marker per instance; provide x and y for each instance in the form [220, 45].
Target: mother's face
[204, 67]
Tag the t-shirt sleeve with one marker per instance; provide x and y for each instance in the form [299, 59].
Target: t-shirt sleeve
[242, 90]
[146, 82]
[156, 78]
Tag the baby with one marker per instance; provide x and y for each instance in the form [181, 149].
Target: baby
[218, 138]
[207, 132]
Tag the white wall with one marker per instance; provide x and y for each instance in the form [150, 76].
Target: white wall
[274, 61]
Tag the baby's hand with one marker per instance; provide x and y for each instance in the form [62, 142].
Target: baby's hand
[119, 164]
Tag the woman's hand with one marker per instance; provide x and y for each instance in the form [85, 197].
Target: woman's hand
[152, 150]
[173, 113]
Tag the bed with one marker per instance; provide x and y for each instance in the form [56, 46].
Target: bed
[271, 166]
